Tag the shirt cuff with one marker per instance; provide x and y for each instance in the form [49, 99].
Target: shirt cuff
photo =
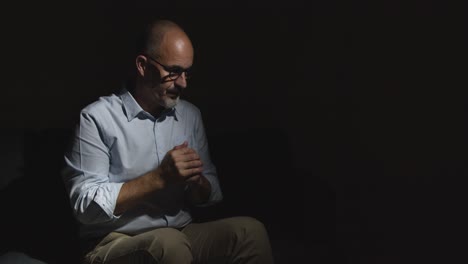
[106, 198]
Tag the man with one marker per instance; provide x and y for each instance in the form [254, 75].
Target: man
[140, 157]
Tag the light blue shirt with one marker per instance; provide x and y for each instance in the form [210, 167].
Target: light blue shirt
[116, 141]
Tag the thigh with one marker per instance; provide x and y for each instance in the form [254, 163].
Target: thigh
[162, 245]
[229, 240]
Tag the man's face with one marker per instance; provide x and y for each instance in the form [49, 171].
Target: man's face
[166, 76]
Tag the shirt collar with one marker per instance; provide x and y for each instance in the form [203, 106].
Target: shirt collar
[133, 109]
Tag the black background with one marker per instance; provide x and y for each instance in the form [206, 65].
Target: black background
[341, 126]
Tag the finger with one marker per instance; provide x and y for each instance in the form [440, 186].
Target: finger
[185, 154]
[183, 145]
[191, 172]
[189, 157]
[192, 164]
[177, 154]
[193, 179]
[182, 167]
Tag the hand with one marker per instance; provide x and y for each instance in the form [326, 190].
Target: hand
[180, 164]
[199, 189]
[195, 180]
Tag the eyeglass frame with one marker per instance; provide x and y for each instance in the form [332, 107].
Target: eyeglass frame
[174, 71]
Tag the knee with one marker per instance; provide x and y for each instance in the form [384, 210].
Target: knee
[171, 246]
[247, 227]
[251, 240]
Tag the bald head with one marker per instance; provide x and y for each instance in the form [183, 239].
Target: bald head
[162, 64]
[160, 35]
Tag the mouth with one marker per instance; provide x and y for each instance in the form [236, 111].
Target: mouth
[173, 94]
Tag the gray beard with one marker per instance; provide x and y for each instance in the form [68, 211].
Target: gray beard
[169, 103]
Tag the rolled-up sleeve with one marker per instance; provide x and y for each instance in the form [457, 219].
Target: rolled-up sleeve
[209, 170]
[86, 174]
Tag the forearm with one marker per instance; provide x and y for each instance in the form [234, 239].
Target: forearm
[138, 190]
[176, 168]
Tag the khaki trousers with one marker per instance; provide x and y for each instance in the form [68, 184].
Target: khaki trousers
[230, 240]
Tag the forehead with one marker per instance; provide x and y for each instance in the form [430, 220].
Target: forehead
[176, 49]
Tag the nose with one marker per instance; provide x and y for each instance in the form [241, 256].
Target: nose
[181, 81]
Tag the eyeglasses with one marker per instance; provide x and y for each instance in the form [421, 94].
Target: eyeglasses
[174, 71]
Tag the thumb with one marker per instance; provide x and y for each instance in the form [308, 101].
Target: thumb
[183, 145]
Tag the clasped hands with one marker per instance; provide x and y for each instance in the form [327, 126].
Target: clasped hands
[181, 165]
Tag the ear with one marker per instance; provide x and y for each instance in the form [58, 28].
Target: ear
[140, 63]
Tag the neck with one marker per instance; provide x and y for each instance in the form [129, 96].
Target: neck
[144, 100]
